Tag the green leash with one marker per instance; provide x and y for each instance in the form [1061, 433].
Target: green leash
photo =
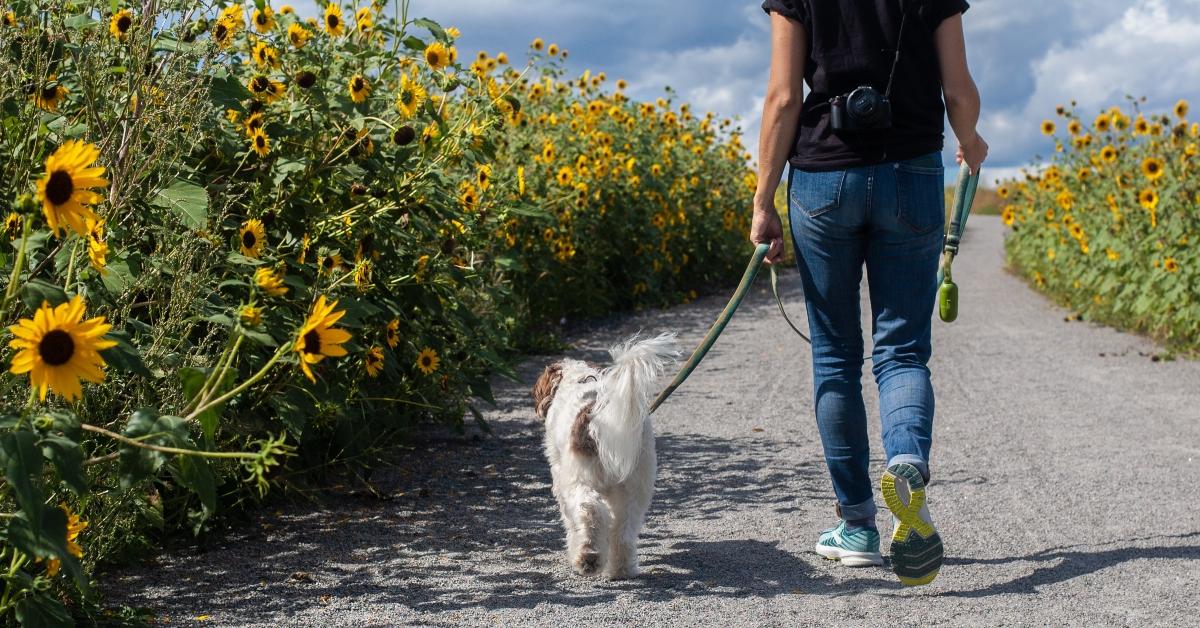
[964, 196]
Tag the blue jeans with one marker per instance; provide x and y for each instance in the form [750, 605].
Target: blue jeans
[889, 217]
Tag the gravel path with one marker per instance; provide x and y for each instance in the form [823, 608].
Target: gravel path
[1064, 487]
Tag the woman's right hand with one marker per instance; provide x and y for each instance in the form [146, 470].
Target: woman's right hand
[973, 153]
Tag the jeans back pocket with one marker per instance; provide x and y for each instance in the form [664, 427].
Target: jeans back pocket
[921, 191]
[816, 193]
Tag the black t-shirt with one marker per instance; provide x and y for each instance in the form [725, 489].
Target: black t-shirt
[852, 43]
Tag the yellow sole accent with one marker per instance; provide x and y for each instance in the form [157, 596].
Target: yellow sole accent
[907, 514]
[917, 582]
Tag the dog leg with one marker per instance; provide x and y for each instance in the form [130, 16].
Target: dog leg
[591, 524]
[630, 503]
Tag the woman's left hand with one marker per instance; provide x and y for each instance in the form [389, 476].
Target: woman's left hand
[767, 228]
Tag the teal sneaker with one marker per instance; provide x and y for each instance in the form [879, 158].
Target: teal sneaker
[916, 546]
[858, 548]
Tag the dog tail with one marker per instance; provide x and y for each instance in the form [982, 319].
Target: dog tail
[625, 391]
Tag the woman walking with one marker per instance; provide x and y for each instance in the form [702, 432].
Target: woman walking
[866, 189]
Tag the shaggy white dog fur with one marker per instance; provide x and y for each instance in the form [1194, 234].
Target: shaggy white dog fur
[600, 444]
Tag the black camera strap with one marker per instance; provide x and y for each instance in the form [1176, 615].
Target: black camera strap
[899, 44]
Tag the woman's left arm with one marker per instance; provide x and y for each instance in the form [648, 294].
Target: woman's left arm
[780, 117]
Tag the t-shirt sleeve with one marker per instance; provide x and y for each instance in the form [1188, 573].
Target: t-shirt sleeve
[793, 9]
[943, 9]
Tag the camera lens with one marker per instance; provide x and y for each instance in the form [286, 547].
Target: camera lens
[863, 105]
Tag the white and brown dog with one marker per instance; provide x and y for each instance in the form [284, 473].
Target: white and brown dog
[600, 444]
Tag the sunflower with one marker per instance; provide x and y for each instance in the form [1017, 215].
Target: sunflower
[329, 263]
[437, 55]
[552, 50]
[64, 190]
[360, 88]
[58, 348]
[468, 197]
[264, 19]
[362, 276]
[565, 176]
[1181, 109]
[333, 20]
[483, 176]
[1048, 127]
[363, 20]
[252, 235]
[1074, 127]
[538, 44]
[120, 23]
[75, 525]
[251, 315]
[264, 55]
[270, 282]
[391, 333]
[10, 18]
[234, 16]
[13, 225]
[428, 361]
[1170, 265]
[1140, 126]
[317, 339]
[1103, 123]
[1152, 168]
[260, 142]
[50, 95]
[97, 247]
[1077, 231]
[223, 33]
[410, 97]
[373, 361]
[1112, 254]
[521, 180]
[1148, 199]
[548, 152]
[1009, 216]
[1108, 154]
[266, 89]
[298, 35]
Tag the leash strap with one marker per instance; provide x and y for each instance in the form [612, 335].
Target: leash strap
[756, 261]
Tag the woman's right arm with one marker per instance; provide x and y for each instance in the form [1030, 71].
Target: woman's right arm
[962, 96]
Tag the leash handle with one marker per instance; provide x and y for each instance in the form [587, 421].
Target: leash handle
[964, 198]
[756, 262]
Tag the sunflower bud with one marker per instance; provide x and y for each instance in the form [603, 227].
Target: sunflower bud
[26, 204]
[306, 79]
[358, 189]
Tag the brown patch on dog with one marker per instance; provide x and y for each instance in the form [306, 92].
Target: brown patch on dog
[545, 387]
[582, 443]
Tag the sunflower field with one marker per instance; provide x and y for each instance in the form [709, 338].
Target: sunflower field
[1110, 226]
[242, 244]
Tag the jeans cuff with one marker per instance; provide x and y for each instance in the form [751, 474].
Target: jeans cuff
[865, 510]
[915, 461]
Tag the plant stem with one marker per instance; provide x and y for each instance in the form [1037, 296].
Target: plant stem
[166, 450]
[243, 386]
[18, 265]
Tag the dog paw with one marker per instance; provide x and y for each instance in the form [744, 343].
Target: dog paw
[587, 563]
[624, 573]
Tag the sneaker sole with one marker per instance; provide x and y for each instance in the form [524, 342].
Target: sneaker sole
[848, 558]
[917, 550]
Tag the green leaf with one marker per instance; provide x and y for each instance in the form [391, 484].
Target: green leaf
[23, 469]
[148, 427]
[118, 277]
[226, 91]
[36, 292]
[67, 457]
[192, 380]
[42, 611]
[124, 356]
[187, 199]
[434, 27]
[81, 21]
[195, 473]
[46, 538]
[414, 43]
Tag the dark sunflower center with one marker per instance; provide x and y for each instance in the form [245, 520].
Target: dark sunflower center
[358, 84]
[434, 58]
[328, 263]
[56, 347]
[261, 142]
[312, 342]
[60, 187]
[1153, 168]
[260, 84]
[406, 97]
[249, 239]
[333, 21]
[426, 361]
[50, 93]
[262, 19]
[124, 22]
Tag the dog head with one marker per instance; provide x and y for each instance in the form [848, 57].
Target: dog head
[546, 386]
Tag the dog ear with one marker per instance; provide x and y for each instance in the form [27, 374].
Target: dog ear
[544, 389]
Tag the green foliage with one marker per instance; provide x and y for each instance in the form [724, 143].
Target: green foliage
[1110, 227]
[303, 242]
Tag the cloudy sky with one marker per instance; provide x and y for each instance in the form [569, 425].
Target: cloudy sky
[1027, 55]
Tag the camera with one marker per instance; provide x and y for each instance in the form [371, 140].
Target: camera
[864, 109]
